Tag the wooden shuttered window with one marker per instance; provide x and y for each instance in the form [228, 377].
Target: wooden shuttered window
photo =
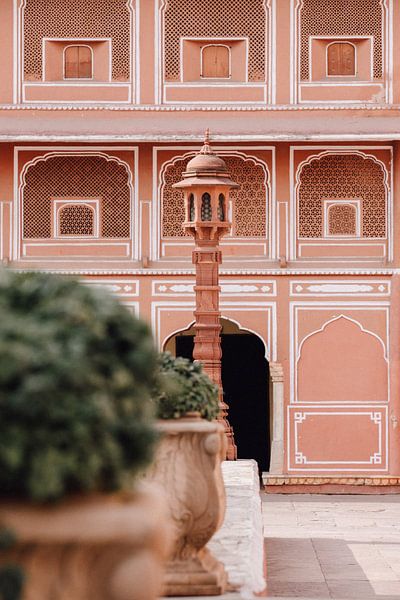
[78, 62]
[341, 59]
[215, 61]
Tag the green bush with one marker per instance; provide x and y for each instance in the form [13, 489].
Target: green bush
[76, 371]
[184, 388]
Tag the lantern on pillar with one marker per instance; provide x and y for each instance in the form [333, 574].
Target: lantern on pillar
[206, 184]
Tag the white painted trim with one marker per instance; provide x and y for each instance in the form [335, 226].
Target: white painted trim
[58, 204]
[332, 320]
[345, 307]
[268, 310]
[334, 287]
[136, 57]
[86, 267]
[190, 138]
[328, 204]
[353, 410]
[74, 83]
[114, 286]
[271, 58]
[229, 287]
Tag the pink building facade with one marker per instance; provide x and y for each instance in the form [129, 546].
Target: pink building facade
[103, 103]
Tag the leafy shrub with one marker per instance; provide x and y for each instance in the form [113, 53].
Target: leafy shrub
[184, 388]
[76, 371]
[12, 577]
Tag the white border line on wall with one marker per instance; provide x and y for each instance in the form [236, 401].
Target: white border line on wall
[340, 307]
[354, 410]
[267, 308]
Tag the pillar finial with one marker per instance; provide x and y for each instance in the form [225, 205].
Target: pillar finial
[206, 144]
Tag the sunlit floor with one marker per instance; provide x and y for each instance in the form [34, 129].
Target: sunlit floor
[337, 547]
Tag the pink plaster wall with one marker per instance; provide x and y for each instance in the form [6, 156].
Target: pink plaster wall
[339, 374]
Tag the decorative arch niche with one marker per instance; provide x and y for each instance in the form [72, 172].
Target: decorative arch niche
[75, 179]
[250, 204]
[328, 18]
[342, 194]
[342, 362]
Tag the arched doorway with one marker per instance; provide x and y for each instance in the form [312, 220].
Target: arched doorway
[245, 379]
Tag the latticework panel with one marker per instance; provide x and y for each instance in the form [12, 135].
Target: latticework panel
[341, 18]
[249, 201]
[211, 19]
[76, 219]
[77, 19]
[342, 219]
[346, 177]
[76, 176]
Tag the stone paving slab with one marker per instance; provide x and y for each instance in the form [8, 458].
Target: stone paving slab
[332, 547]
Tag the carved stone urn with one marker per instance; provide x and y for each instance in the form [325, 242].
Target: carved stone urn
[108, 547]
[188, 466]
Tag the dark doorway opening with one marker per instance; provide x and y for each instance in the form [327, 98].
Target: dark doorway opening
[245, 379]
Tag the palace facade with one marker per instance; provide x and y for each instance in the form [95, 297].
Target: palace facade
[102, 105]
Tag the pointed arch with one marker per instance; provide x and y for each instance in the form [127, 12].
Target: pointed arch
[342, 361]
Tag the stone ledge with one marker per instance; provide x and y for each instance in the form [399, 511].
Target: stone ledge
[318, 480]
[239, 544]
[295, 484]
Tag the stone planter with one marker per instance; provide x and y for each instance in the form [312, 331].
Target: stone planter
[107, 547]
[188, 467]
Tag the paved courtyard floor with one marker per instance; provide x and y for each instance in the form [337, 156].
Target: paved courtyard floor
[336, 547]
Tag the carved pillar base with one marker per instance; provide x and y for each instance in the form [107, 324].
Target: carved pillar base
[231, 449]
[102, 547]
[276, 417]
[187, 467]
[201, 575]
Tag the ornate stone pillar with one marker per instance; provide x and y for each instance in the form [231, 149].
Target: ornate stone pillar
[206, 184]
[207, 342]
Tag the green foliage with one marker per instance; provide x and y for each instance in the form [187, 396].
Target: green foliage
[184, 388]
[76, 371]
[12, 576]
[7, 538]
[11, 582]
